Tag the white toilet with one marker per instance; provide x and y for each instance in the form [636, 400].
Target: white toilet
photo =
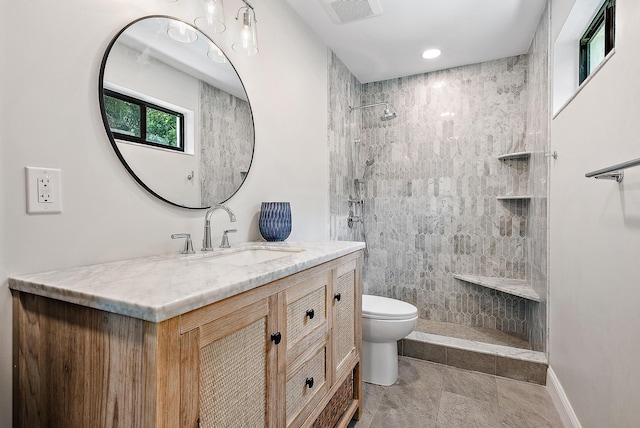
[384, 322]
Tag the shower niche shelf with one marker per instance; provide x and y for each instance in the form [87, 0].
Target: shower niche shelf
[524, 156]
[515, 287]
[515, 156]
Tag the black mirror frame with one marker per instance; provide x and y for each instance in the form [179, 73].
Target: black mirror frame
[110, 134]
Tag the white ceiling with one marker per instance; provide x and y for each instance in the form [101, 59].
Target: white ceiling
[149, 37]
[390, 45]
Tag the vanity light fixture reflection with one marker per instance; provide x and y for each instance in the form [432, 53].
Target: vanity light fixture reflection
[247, 42]
[213, 19]
[179, 32]
[215, 54]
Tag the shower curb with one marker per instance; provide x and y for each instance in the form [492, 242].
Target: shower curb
[505, 361]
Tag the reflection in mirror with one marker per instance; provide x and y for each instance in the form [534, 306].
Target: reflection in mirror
[176, 112]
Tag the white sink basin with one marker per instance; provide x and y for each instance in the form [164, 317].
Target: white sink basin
[250, 256]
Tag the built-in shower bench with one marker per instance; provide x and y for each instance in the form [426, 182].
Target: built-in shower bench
[480, 351]
[516, 287]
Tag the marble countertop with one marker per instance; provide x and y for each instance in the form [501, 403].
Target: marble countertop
[157, 288]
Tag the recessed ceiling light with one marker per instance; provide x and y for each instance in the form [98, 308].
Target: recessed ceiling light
[179, 32]
[431, 53]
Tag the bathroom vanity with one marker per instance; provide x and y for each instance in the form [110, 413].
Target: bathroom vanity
[259, 335]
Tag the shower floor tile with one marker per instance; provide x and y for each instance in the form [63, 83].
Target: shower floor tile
[459, 331]
[427, 394]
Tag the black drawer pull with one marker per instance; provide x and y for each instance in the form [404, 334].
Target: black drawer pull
[276, 337]
[337, 296]
[309, 382]
[310, 313]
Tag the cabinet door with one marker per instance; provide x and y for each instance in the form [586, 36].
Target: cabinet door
[346, 325]
[228, 371]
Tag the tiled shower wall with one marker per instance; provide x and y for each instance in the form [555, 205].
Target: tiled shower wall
[431, 207]
[429, 181]
[343, 91]
[537, 141]
[224, 118]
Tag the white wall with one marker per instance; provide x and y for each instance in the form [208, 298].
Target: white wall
[160, 83]
[51, 53]
[595, 236]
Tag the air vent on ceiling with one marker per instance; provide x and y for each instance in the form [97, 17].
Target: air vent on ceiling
[343, 11]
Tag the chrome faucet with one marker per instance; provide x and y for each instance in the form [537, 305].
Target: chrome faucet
[188, 246]
[206, 241]
[225, 238]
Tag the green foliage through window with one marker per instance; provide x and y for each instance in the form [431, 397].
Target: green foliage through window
[130, 119]
[123, 117]
[162, 127]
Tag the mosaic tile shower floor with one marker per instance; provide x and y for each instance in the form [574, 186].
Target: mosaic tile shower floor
[435, 396]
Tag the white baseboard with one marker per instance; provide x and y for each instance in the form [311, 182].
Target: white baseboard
[560, 401]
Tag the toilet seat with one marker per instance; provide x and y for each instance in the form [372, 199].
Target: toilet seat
[383, 308]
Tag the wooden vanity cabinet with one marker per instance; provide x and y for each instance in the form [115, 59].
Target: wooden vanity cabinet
[285, 354]
[274, 353]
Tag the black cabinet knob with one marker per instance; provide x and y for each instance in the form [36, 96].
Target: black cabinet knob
[309, 382]
[337, 296]
[276, 337]
[310, 313]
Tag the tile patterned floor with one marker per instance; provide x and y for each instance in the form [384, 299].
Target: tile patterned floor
[436, 396]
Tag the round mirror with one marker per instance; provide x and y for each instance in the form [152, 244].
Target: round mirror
[176, 112]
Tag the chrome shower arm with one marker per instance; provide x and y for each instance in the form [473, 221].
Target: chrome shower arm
[388, 114]
[368, 105]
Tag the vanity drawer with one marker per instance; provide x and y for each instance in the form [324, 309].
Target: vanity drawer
[306, 385]
[306, 314]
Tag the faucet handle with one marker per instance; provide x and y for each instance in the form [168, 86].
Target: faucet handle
[188, 245]
[225, 238]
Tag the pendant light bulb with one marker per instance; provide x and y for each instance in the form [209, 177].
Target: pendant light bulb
[245, 33]
[213, 19]
[247, 43]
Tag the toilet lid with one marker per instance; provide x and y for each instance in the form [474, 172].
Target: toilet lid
[387, 309]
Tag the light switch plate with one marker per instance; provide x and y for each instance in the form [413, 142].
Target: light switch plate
[43, 190]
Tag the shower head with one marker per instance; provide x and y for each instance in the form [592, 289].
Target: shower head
[388, 113]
